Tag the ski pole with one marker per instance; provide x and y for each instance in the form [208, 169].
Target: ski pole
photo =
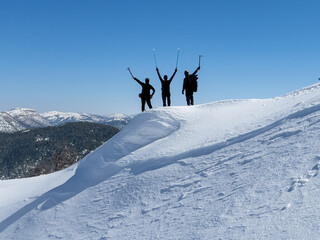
[130, 72]
[177, 57]
[154, 56]
[200, 56]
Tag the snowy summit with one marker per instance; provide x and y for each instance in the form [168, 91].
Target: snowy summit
[235, 169]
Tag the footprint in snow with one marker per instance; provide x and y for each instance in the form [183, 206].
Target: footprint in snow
[301, 181]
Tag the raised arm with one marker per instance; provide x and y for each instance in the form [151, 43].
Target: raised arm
[196, 70]
[175, 71]
[159, 75]
[137, 80]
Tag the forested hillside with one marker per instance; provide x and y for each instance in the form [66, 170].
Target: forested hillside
[45, 150]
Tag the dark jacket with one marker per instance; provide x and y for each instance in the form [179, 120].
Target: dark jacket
[146, 87]
[165, 84]
[188, 83]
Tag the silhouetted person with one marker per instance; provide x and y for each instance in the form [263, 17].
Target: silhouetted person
[165, 87]
[190, 85]
[145, 94]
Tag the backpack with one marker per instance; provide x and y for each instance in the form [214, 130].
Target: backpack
[194, 82]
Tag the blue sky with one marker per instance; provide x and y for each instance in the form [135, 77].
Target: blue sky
[72, 55]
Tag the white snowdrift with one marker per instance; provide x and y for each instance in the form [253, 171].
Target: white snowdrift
[235, 169]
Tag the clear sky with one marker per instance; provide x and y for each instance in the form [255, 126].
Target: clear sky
[72, 55]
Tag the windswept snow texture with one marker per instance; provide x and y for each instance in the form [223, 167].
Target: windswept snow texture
[236, 169]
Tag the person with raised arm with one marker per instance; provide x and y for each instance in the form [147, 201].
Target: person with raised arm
[165, 87]
[145, 93]
[190, 85]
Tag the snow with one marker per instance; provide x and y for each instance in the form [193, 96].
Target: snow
[21, 119]
[8, 123]
[57, 118]
[54, 116]
[234, 169]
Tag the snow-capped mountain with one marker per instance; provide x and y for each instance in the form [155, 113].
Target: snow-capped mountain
[235, 169]
[21, 119]
[57, 118]
[8, 123]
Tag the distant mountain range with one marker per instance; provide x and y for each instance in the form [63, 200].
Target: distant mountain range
[57, 118]
[23, 119]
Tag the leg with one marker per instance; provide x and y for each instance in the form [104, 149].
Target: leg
[149, 103]
[143, 103]
[169, 100]
[164, 99]
[191, 98]
[188, 96]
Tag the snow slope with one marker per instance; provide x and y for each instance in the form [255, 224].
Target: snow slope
[236, 169]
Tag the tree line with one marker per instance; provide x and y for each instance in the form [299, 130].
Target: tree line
[45, 150]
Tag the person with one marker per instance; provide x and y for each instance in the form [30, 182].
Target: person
[165, 87]
[145, 94]
[190, 85]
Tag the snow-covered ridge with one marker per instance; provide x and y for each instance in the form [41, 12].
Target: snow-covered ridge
[235, 169]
